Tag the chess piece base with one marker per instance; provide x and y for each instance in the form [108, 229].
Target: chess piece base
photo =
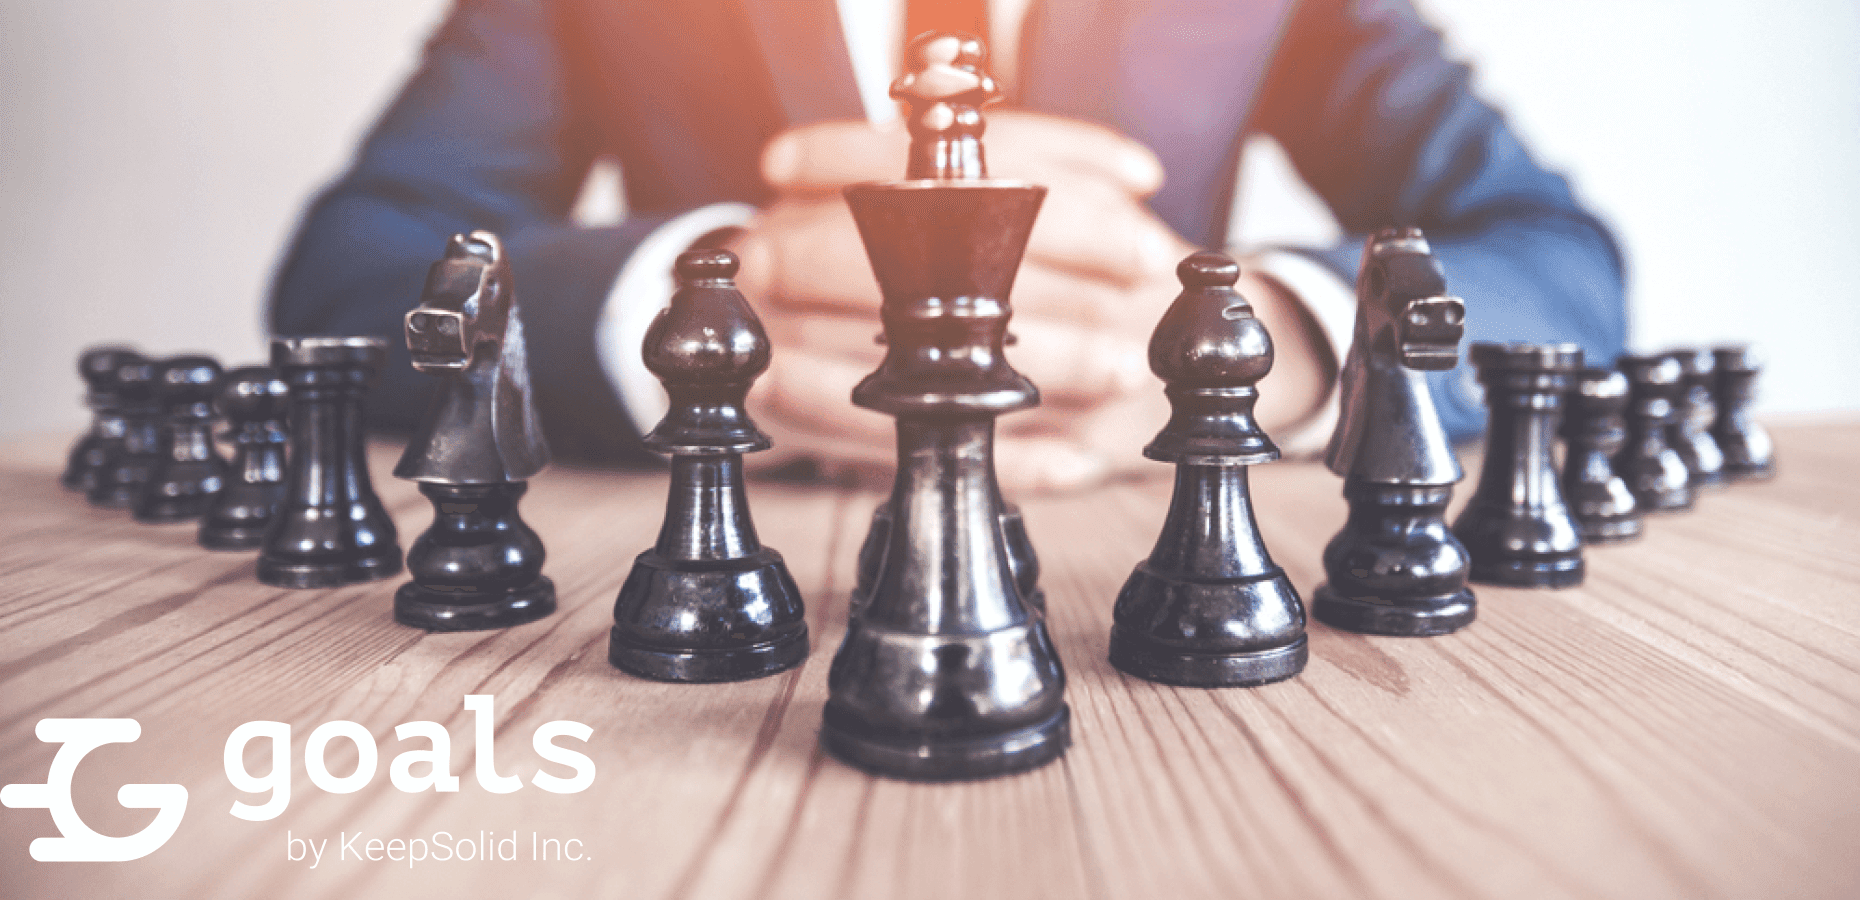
[1750, 473]
[662, 597]
[1553, 572]
[171, 509]
[1678, 500]
[704, 665]
[938, 760]
[1615, 532]
[112, 497]
[232, 537]
[1412, 616]
[1147, 660]
[284, 574]
[447, 611]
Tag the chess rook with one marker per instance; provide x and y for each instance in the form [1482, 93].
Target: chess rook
[946, 671]
[1395, 568]
[479, 566]
[708, 602]
[1516, 527]
[124, 469]
[1691, 433]
[92, 453]
[1749, 455]
[1594, 431]
[254, 401]
[1652, 468]
[1209, 606]
[331, 528]
[188, 471]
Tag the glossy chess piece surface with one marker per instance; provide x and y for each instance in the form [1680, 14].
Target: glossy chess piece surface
[188, 471]
[1395, 568]
[1021, 557]
[92, 453]
[479, 565]
[1517, 528]
[119, 480]
[331, 528]
[946, 672]
[254, 400]
[708, 602]
[1652, 468]
[1691, 433]
[1594, 431]
[1749, 453]
[1209, 606]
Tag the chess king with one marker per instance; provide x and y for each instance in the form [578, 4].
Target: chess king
[947, 671]
[1395, 569]
[479, 566]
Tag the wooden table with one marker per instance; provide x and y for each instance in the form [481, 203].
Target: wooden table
[1685, 723]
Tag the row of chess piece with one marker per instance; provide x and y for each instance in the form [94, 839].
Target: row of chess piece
[947, 669]
[151, 448]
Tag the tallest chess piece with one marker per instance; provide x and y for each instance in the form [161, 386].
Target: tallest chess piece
[1395, 569]
[947, 672]
[479, 566]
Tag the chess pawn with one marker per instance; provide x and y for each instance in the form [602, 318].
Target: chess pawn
[93, 452]
[1653, 470]
[1594, 431]
[1691, 433]
[331, 528]
[188, 471]
[946, 671]
[253, 400]
[1749, 454]
[479, 566]
[1209, 607]
[708, 602]
[1516, 527]
[1395, 568]
[119, 481]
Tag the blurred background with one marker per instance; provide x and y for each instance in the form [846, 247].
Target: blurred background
[155, 155]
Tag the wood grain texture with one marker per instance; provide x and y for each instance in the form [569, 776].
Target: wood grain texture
[1686, 723]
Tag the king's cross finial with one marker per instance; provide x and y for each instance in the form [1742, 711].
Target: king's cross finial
[946, 89]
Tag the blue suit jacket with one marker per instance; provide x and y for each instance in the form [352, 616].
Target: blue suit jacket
[515, 99]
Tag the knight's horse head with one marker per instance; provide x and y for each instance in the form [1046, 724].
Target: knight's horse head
[466, 303]
[1403, 308]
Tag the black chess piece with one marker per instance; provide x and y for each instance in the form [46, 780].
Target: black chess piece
[1516, 527]
[1691, 433]
[1209, 606]
[253, 400]
[331, 528]
[1594, 431]
[1021, 557]
[946, 671]
[93, 452]
[188, 471]
[1395, 568]
[479, 566]
[708, 602]
[119, 480]
[1749, 454]
[1653, 469]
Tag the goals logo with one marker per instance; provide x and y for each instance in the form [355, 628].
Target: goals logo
[76, 841]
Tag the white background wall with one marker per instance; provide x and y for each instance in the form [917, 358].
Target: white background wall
[154, 156]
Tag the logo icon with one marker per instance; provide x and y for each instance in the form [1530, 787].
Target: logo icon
[77, 841]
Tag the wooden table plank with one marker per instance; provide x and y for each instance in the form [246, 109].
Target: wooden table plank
[1685, 723]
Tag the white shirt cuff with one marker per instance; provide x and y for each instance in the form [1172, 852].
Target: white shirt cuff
[642, 289]
[1333, 305]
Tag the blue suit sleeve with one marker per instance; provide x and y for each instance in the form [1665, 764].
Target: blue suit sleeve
[480, 137]
[1389, 133]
